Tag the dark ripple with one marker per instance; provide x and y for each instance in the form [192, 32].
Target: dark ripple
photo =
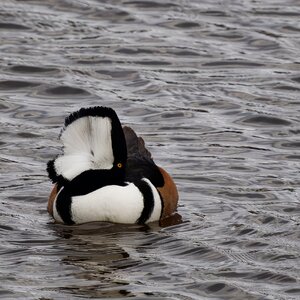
[187, 25]
[151, 4]
[265, 120]
[297, 79]
[6, 227]
[233, 63]
[119, 74]
[16, 84]
[7, 293]
[161, 116]
[221, 290]
[267, 275]
[95, 61]
[28, 135]
[110, 14]
[153, 63]
[13, 26]
[184, 53]
[32, 69]
[66, 90]
[293, 291]
[216, 13]
[226, 35]
[277, 13]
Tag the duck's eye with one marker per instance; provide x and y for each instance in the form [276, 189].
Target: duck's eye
[119, 165]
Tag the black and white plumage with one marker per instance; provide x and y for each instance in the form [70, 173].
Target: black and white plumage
[105, 173]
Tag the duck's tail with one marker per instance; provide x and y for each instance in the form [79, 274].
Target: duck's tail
[92, 139]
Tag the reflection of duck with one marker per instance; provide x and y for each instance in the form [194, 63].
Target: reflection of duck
[106, 174]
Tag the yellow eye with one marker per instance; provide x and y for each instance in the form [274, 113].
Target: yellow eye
[119, 165]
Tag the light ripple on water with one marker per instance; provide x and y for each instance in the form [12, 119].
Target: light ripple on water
[213, 88]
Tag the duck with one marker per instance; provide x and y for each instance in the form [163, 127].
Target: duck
[105, 173]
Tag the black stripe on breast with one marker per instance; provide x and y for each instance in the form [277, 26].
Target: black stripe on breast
[146, 191]
[63, 206]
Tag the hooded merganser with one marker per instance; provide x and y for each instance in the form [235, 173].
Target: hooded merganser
[105, 173]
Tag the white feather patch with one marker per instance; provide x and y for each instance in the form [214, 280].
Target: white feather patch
[87, 145]
[117, 204]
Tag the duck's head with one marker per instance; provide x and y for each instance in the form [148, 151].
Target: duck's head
[94, 148]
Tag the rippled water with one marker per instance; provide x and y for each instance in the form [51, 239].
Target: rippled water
[213, 87]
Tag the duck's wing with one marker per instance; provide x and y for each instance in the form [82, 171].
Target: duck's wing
[135, 144]
[139, 161]
[141, 165]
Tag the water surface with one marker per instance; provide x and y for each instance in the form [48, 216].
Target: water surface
[213, 87]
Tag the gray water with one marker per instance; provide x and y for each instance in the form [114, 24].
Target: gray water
[213, 87]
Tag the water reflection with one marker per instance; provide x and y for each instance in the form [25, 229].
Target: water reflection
[98, 253]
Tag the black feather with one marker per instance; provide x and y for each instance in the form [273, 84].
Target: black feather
[91, 180]
[146, 191]
[51, 171]
[96, 111]
[139, 162]
[142, 167]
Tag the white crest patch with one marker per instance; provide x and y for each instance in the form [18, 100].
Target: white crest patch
[87, 145]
